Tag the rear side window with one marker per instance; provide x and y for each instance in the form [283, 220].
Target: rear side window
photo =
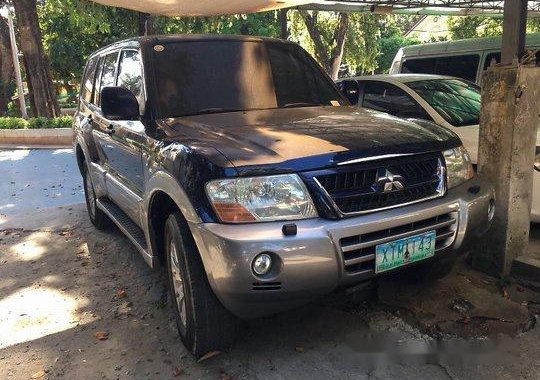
[88, 81]
[107, 74]
[130, 73]
[461, 66]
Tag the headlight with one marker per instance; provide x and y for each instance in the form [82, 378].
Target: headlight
[537, 159]
[260, 199]
[458, 166]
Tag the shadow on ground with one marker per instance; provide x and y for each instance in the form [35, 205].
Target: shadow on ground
[76, 303]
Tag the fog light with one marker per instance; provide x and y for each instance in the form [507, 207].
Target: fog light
[261, 264]
[491, 210]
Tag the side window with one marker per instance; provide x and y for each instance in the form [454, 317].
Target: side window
[130, 73]
[108, 72]
[88, 80]
[496, 56]
[461, 66]
[388, 98]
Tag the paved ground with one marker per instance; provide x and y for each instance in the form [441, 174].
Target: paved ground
[64, 285]
[37, 179]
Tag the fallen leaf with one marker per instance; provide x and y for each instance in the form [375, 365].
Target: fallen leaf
[505, 293]
[121, 293]
[208, 355]
[178, 372]
[299, 349]
[38, 374]
[101, 335]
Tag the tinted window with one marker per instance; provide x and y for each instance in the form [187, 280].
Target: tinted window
[218, 76]
[296, 79]
[108, 71]
[458, 102]
[88, 81]
[491, 56]
[388, 98]
[461, 66]
[130, 73]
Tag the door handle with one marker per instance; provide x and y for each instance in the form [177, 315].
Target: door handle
[110, 129]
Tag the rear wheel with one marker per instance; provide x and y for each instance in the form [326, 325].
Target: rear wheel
[98, 218]
[203, 322]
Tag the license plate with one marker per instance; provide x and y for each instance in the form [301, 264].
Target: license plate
[404, 251]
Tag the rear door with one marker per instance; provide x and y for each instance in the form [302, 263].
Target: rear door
[101, 127]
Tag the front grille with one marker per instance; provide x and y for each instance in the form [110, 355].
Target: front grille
[361, 188]
[359, 250]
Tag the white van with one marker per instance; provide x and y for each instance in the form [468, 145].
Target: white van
[465, 59]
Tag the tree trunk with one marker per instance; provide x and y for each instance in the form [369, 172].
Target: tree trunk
[330, 60]
[6, 67]
[37, 64]
[337, 52]
[146, 24]
[284, 34]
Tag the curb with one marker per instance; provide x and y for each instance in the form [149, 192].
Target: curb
[526, 269]
[58, 137]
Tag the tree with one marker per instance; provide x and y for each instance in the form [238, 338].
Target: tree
[6, 67]
[328, 43]
[36, 62]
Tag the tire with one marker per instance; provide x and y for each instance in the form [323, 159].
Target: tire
[203, 322]
[429, 271]
[99, 219]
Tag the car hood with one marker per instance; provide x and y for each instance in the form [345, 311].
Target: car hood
[306, 138]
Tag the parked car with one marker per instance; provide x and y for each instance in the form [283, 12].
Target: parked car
[237, 163]
[465, 59]
[450, 102]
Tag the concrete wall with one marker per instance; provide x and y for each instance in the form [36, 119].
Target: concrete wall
[31, 137]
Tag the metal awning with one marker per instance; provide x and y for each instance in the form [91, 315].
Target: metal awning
[420, 7]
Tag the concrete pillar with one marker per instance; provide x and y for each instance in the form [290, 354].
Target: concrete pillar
[508, 124]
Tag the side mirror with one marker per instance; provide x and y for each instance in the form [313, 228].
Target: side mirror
[119, 103]
[349, 88]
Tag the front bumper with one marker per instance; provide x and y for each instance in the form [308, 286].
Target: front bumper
[322, 256]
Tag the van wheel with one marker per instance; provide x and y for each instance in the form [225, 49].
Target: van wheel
[203, 322]
[98, 218]
[429, 271]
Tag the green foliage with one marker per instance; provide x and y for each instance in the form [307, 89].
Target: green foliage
[72, 29]
[35, 123]
[474, 26]
[389, 46]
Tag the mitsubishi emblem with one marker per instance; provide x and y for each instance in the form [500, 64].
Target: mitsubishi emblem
[387, 181]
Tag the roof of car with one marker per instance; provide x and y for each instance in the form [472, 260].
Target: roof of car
[470, 45]
[402, 78]
[167, 38]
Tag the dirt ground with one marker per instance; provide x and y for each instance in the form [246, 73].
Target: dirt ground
[76, 303]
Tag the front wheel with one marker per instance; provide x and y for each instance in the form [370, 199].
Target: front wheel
[98, 218]
[203, 322]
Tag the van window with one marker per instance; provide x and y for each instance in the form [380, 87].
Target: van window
[388, 98]
[461, 66]
[496, 56]
[88, 81]
[130, 73]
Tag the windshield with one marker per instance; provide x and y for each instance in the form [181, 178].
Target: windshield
[199, 77]
[457, 101]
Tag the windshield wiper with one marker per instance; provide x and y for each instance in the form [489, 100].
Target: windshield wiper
[300, 104]
[215, 110]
